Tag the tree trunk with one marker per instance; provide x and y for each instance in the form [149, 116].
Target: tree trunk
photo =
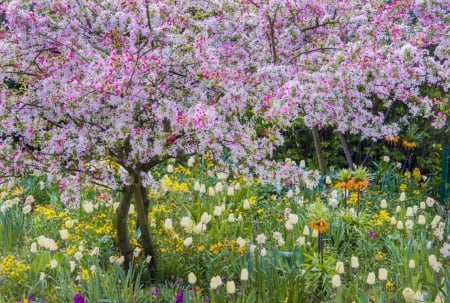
[346, 149]
[319, 151]
[141, 200]
[123, 239]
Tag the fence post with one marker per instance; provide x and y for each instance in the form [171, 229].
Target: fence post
[444, 187]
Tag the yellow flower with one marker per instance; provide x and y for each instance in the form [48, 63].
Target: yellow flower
[380, 256]
[390, 286]
[403, 187]
[416, 174]
[216, 247]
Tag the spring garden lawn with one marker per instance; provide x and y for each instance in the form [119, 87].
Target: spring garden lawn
[230, 239]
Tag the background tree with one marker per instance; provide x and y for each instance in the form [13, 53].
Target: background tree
[133, 83]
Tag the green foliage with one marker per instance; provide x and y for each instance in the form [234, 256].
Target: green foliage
[243, 228]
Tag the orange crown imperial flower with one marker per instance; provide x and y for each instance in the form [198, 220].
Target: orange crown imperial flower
[319, 225]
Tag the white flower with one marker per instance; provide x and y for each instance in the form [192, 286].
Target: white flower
[202, 188]
[205, 218]
[197, 186]
[408, 295]
[41, 185]
[435, 221]
[148, 259]
[211, 191]
[231, 218]
[293, 219]
[340, 267]
[300, 241]
[371, 278]
[398, 209]
[70, 223]
[402, 196]
[187, 242]
[386, 159]
[328, 180]
[231, 287]
[241, 242]
[383, 204]
[315, 233]
[263, 252]
[88, 207]
[137, 252]
[393, 221]
[187, 224]
[53, 264]
[29, 199]
[168, 224]
[64, 233]
[412, 264]
[33, 248]
[218, 187]
[409, 211]
[261, 238]
[430, 202]
[230, 191]
[170, 168]
[244, 274]
[399, 225]
[192, 278]
[215, 282]
[93, 268]
[120, 260]
[306, 230]
[421, 220]
[72, 266]
[218, 210]
[333, 202]
[288, 225]
[382, 274]
[27, 209]
[302, 164]
[432, 259]
[278, 238]
[436, 266]
[246, 204]
[445, 250]
[78, 255]
[336, 281]
[422, 205]
[354, 263]
[191, 161]
[409, 224]
[222, 176]
[199, 228]
[42, 276]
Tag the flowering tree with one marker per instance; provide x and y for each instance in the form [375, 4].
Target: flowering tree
[89, 85]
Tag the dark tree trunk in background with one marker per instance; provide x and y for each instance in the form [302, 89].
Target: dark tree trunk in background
[318, 148]
[346, 149]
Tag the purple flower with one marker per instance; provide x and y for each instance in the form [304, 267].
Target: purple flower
[371, 234]
[154, 292]
[78, 298]
[179, 297]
